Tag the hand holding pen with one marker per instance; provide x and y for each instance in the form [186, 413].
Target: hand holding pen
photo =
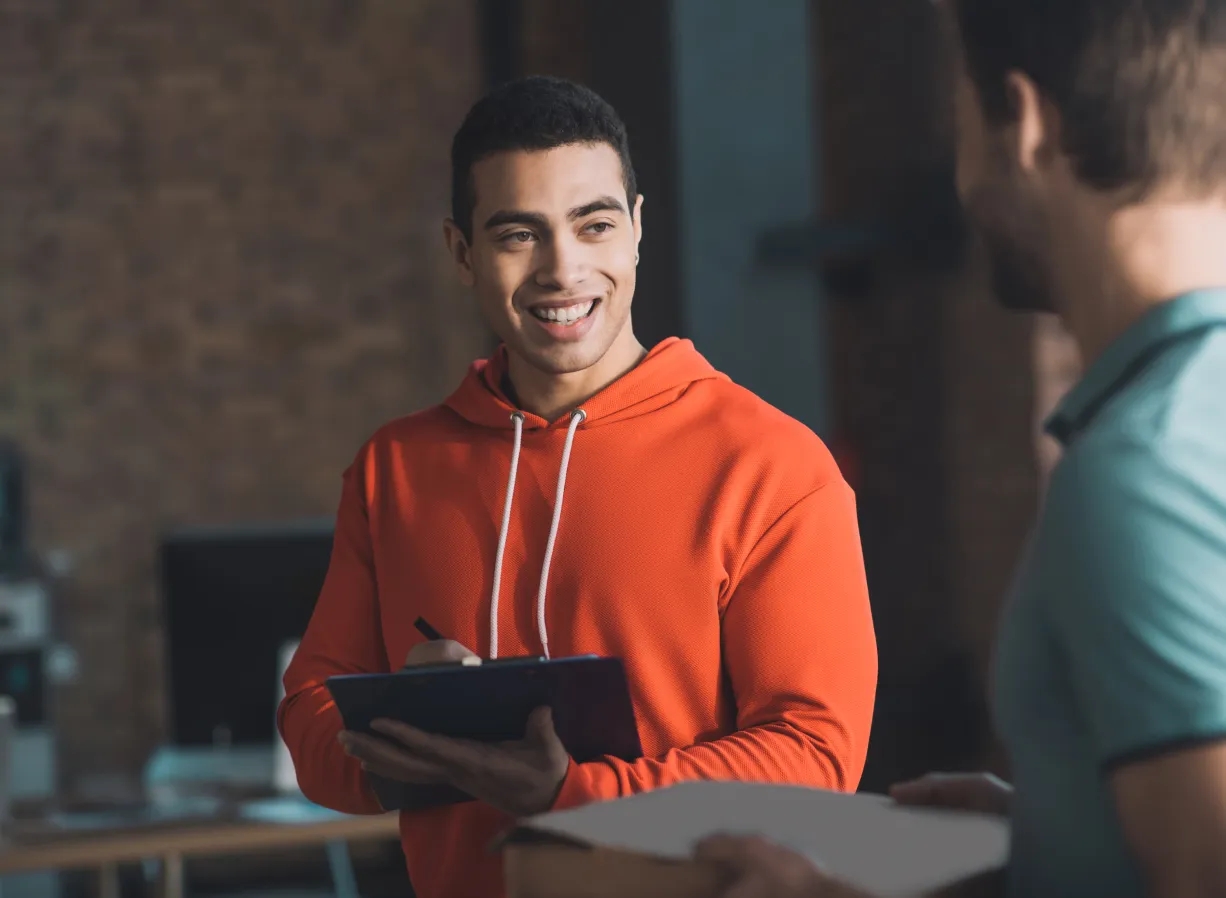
[438, 650]
[520, 778]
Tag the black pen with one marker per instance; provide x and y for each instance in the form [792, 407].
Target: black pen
[424, 628]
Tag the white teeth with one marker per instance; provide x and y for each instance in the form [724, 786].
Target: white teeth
[567, 315]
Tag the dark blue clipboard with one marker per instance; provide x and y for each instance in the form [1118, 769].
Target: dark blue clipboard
[589, 696]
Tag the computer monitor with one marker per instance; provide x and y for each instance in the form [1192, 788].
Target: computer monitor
[231, 598]
[13, 560]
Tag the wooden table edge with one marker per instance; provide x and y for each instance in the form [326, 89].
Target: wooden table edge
[100, 849]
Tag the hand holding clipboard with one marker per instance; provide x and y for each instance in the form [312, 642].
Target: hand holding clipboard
[449, 730]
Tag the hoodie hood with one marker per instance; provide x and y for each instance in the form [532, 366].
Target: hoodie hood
[660, 379]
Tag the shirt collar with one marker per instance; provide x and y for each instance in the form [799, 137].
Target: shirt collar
[1130, 352]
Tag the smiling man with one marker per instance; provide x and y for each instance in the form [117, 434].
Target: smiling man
[581, 494]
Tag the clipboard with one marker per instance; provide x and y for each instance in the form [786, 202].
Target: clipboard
[491, 702]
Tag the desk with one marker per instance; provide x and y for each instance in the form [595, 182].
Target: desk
[106, 848]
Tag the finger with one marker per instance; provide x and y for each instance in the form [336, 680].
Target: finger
[442, 750]
[764, 884]
[753, 885]
[406, 768]
[540, 724]
[423, 775]
[929, 789]
[731, 852]
[387, 760]
[356, 744]
[440, 651]
[418, 741]
[917, 792]
[400, 732]
[540, 731]
[365, 748]
[757, 868]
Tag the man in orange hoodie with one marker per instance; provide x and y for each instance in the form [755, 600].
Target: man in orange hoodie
[581, 494]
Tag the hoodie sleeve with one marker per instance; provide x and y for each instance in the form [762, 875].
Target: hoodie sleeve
[343, 637]
[801, 656]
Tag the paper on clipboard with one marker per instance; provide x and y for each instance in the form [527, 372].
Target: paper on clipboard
[865, 840]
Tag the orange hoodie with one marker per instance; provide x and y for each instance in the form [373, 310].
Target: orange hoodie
[698, 533]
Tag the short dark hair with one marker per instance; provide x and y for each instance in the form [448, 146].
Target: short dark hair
[1140, 84]
[535, 113]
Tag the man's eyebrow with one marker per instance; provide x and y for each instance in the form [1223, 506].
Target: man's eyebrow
[600, 204]
[516, 216]
[537, 220]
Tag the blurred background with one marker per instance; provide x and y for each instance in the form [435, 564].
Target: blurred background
[221, 268]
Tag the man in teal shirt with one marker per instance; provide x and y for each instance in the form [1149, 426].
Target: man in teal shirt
[1111, 662]
[1092, 159]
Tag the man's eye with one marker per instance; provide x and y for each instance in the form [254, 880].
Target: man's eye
[600, 227]
[518, 237]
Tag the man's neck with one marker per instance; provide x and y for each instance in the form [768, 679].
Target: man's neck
[1144, 255]
[551, 396]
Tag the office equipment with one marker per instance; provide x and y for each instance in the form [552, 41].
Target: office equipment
[284, 779]
[31, 661]
[232, 598]
[426, 629]
[26, 673]
[13, 551]
[25, 643]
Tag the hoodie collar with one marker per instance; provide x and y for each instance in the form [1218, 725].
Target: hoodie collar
[658, 380]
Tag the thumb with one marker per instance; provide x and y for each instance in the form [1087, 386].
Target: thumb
[540, 731]
[920, 791]
[729, 851]
[540, 726]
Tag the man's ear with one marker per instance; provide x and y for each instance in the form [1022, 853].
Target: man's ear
[460, 251]
[1036, 122]
[636, 215]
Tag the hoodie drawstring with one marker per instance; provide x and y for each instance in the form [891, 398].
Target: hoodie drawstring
[575, 420]
[517, 419]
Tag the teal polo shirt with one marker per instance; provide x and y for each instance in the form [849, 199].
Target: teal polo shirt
[1113, 640]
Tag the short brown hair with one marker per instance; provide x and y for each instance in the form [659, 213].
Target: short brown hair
[539, 112]
[1140, 84]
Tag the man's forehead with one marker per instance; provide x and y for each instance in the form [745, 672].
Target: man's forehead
[561, 176]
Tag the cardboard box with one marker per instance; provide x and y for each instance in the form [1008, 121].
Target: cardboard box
[642, 845]
[543, 870]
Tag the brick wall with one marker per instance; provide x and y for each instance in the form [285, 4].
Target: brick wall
[221, 269]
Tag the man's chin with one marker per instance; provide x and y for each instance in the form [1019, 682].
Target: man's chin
[1018, 285]
[560, 359]
[1019, 297]
[1019, 270]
